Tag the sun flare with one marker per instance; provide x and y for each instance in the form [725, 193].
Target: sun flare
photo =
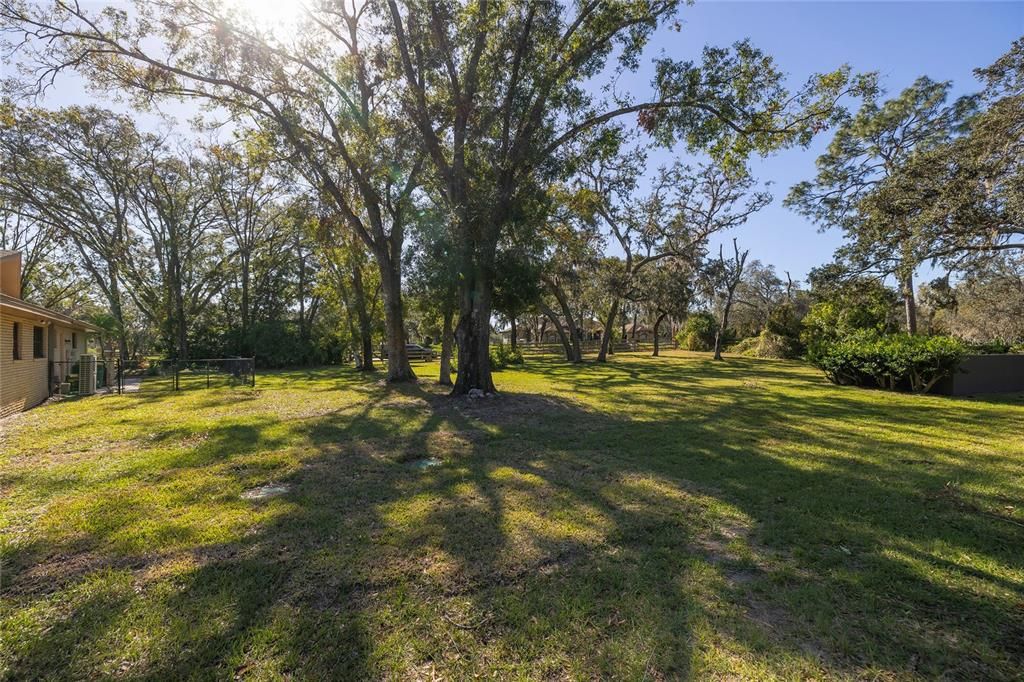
[279, 16]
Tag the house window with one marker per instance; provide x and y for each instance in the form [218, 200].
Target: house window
[38, 345]
[74, 339]
[17, 341]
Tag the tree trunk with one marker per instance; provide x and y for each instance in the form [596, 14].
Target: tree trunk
[399, 368]
[657, 326]
[574, 336]
[473, 333]
[910, 303]
[606, 335]
[569, 355]
[182, 336]
[512, 331]
[447, 341]
[723, 326]
[114, 300]
[245, 302]
[181, 324]
[354, 333]
[362, 316]
[302, 294]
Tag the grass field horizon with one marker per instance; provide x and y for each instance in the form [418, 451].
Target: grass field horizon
[648, 518]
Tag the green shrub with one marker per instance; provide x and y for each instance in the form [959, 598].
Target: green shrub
[773, 345]
[779, 339]
[829, 322]
[747, 346]
[504, 355]
[698, 333]
[784, 321]
[894, 361]
[769, 344]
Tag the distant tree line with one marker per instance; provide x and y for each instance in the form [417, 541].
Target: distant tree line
[181, 250]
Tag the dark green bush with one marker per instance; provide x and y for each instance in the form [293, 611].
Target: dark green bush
[784, 321]
[829, 322]
[699, 332]
[893, 361]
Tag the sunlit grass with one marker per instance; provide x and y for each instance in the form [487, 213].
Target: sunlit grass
[654, 518]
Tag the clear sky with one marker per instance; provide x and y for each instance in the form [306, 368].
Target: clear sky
[900, 40]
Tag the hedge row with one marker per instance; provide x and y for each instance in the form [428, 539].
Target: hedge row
[895, 361]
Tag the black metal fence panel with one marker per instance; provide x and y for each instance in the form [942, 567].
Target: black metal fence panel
[69, 378]
[182, 375]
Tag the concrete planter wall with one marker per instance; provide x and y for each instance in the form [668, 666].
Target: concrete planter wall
[985, 374]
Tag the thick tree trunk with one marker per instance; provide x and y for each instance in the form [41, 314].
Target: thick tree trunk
[399, 368]
[910, 303]
[512, 331]
[473, 333]
[447, 341]
[180, 329]
[606, 335]
[574, 336]
[569, 355]
[657, 327]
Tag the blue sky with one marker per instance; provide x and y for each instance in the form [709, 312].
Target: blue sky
[900, 40]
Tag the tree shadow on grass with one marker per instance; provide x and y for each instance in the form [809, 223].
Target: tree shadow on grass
[553, 539]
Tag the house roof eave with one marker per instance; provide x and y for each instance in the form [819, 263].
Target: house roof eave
[30, 309]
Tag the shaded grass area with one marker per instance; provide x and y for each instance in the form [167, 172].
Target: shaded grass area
[648, 518]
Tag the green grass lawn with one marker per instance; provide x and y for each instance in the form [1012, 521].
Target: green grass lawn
[645, 519]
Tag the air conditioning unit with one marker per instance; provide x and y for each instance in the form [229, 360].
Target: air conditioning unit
[87, 374]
